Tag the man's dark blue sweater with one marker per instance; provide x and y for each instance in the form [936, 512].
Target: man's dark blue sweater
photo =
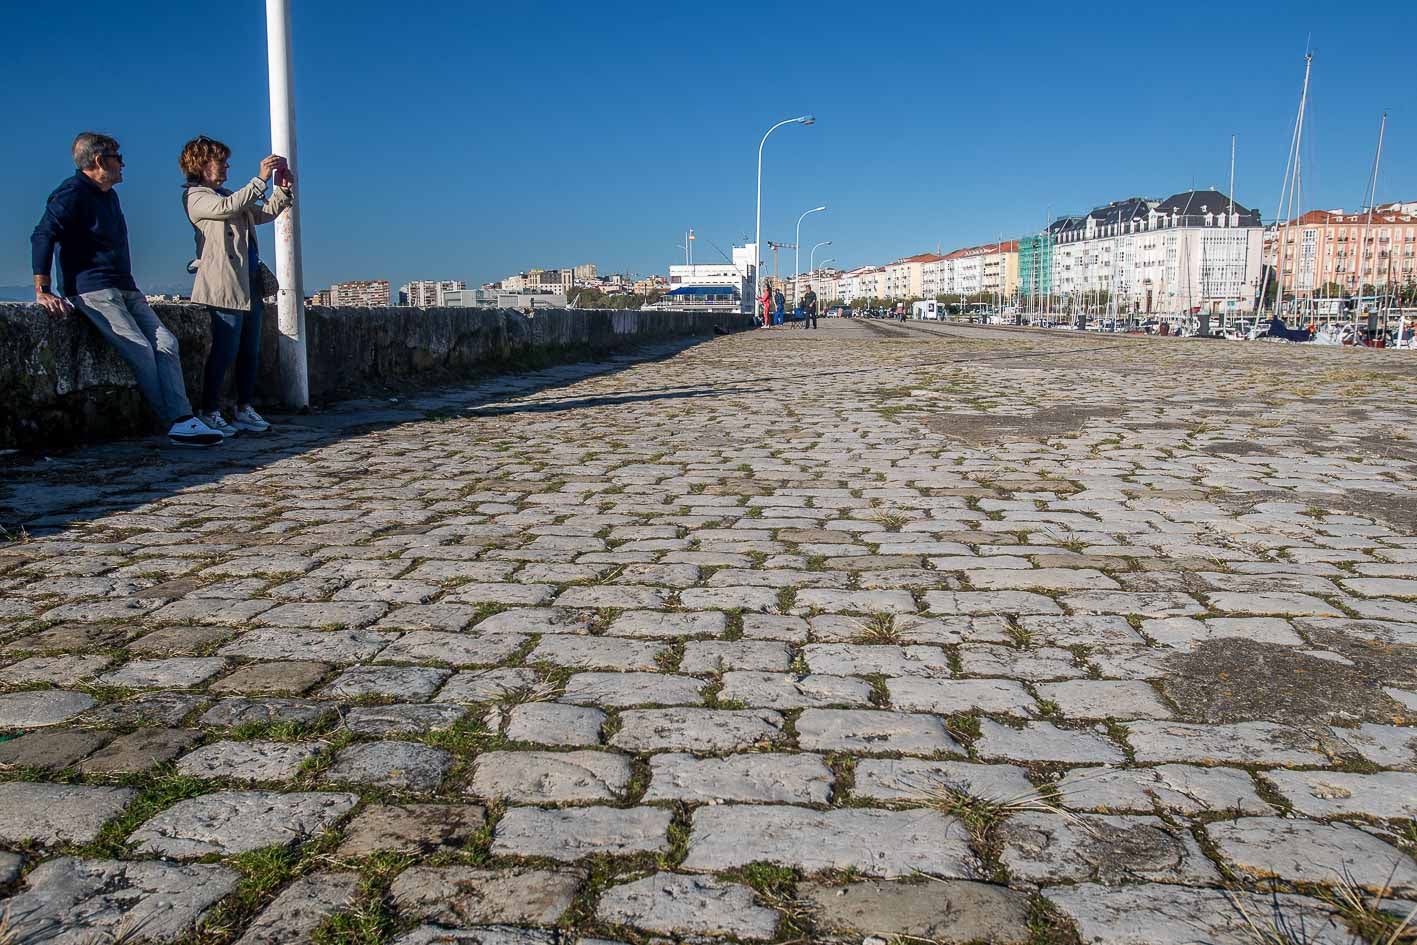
[87, 223]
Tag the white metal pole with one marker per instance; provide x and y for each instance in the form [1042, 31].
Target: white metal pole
[294, 368]
[758, 226]
[1372, 197]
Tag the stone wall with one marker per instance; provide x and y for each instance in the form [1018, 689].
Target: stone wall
[61, 384]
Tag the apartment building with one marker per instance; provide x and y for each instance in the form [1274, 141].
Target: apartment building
[867, 282]
[428, 293]
[972, 271]
[905, 277]
[1194, 251]
[364, 294]
[1322, 248]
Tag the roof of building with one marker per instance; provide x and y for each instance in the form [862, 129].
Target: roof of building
[918, 257]
[1197, 203]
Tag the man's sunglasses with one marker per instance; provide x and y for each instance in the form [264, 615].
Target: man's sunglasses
[116, 157]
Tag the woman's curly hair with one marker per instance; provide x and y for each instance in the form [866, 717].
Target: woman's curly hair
[198, 153]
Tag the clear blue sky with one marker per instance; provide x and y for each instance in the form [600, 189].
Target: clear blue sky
[452, 140]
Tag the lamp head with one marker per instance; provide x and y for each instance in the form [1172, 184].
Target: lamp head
[816, 209]
[808, 119]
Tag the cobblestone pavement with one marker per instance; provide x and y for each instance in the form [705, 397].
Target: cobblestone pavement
[901, 633]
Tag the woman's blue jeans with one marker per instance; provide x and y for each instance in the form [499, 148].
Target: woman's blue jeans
[236, 336]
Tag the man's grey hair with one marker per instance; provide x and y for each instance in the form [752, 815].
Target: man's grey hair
[90, 145]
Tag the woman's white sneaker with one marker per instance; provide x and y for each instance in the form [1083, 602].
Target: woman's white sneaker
[218, 423]
[248, 419]
[189, 431]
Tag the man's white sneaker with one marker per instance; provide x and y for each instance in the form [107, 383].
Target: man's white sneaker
[189, 431]
[218, 423]
[248, 419]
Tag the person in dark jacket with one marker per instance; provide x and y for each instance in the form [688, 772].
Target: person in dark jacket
[809, 309]
[85, 221]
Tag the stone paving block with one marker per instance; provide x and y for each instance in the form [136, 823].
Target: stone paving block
[537, 620]
[214, 610]
[1044, 662]
[454, 649]
[70, 901]
[295, 914]
[989, 602]
[1102, 699]
[51, 749]
[547, 777]
[694, 905]
[1043, 741]
[577, 832]
[778, 691]
[625, 597]
[760, 777]
[411, 828]
[1265, 743]
[883, 843]
[71, 637]
[728, 598]
[1177, 915]
[518, 595]
[847, 659]
[610, 653]
[10, 866]
[859, 602]
[871, 732]
[1153, 604]
[718, 656]
[1186, 789]
[330, 646]
[411, 683]
[343, 615]
[487, 685]
[402, 718]
[388, 591]
[151, 708]
[1094, 630]
[633, 689]
[484, 935]
[668, 625]
[1185, 633]
[178, 672]
[230, 822]
[709, 731]
[140, 750]
[551, 723]
[1044, 847]
[1291, 605]
[50, 814]
[55, 670]
[180, 641]
[774, 627]
[254, 760]
[1391, 746]
[943, 911]
[229, 713]
[282, 677]
[464, 895]
[1384, 794]
[1308, 852]
[40, 707]
[912, 779]
[449, 617]
[947, 696]
[400, 766]
[1052, 579]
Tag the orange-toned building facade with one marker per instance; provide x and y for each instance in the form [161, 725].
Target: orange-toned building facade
[1323, 247]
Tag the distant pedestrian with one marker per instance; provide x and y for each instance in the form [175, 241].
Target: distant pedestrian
[230, 276]
[83, 217]
[779, 305]
[809, 309]
[765, 303]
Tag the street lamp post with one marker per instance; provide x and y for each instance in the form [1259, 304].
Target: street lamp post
[797, 253]
[812, 264]
[758, 228]
[294, 369]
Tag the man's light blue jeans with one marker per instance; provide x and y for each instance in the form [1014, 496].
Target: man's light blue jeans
[129, 324]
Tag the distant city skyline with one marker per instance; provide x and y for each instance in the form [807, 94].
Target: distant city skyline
[1014, 113]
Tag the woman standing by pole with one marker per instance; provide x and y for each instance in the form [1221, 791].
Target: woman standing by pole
[230, 276]
[765, 302]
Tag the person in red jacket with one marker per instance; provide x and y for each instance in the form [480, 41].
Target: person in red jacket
[765, 302]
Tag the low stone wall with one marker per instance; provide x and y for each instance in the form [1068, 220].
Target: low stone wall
[61, 384]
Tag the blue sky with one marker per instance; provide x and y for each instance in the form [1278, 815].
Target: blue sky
[451, 140]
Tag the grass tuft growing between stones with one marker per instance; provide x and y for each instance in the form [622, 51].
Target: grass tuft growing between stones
[370, 919]
[1373, 918]
[878, 628]
[1047, 926]
[158, 790]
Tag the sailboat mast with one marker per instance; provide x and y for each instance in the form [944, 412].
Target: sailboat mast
[1371, 197]
[1289, 183]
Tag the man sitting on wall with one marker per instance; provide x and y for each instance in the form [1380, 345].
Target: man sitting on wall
[84, 219]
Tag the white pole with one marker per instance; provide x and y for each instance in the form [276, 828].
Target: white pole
[294, 368]
[1372, 197]
[797, 253]
[758, 226]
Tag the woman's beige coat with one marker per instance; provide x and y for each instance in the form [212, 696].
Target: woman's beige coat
[225, 226]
